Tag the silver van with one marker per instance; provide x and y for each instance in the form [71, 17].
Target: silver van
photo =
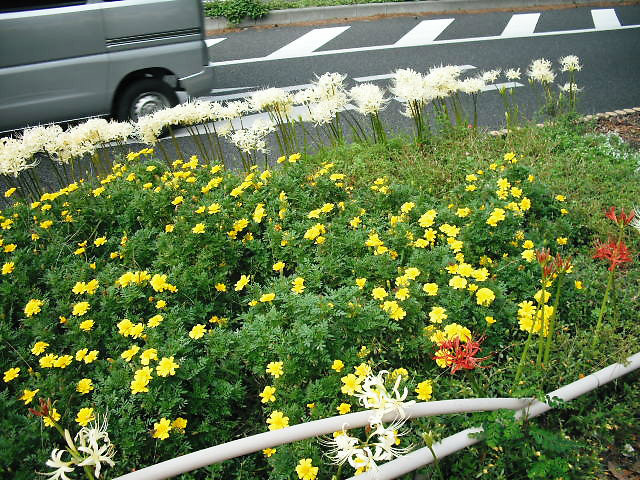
[67, 60]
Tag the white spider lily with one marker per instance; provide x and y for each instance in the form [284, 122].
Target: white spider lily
[512, 74]
[61, 467]
[387, 440]
[491, 76]
[369, 98]
[342, 447]
[570, 63]
[540, 71]
[374, 395]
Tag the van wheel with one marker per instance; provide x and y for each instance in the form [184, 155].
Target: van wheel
[143, 98]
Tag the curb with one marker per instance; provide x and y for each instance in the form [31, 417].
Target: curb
[586, 118]
[297, 16]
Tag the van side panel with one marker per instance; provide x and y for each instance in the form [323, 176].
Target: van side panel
[52, 65]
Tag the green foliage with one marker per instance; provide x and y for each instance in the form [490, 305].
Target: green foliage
[236, 10]
[148, 214]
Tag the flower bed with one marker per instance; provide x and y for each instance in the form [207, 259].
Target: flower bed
[191, 305]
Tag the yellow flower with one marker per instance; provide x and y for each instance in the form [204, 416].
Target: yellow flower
[241, 283]
[562, 240]
[53, 415]
[275, 369]
[343, 408]
[10, 192]
[277, 420]
[199, 228]
[430, 289]
[270, 451]
[278, 266]
[33, 307]
[161, 304]
[578, 284]
[560, 198]
[379, 293]
[267, 297]
[28, 395]
[63, 361]
[84, 386]
[155, 321]
[8, 268]
[91, 356]
[198, 331]
[424, 390]
[298, 285]
[161, 429]
[360, 282]
[169, 228]
[167, 367]
[148, 355]
[490, 320]
[177, 201]
[437, 314]
[87, 325]
[11, 374]
[402, 293]
[127, 355]
[351, 384]
[528, 255]
[267, 394]
[80, 308]
[458, 282]
[39, 348]
[306, 470]
[85, 415]
[485, 296]
[179, 423]
[337, 365]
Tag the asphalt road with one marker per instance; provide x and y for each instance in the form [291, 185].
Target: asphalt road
[607, 42]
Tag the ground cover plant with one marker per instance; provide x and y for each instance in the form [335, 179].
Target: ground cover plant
[173, 304]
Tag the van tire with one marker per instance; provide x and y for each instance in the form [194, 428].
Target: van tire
[144, 97]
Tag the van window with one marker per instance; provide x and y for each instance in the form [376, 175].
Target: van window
[22, 5]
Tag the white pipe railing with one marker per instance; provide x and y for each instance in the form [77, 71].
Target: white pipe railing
[399, 466]
[419, 458]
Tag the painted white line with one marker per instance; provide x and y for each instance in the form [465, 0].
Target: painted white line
[210, 42]
[235, 96]
[605, 19]
[307, 43]
[521, 25]
[234, 89]
[424, 33]
[436, 42]
[498, 86]
[386, 76]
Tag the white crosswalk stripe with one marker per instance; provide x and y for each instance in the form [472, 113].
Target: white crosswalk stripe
[605, 19]
[424, 33]
[521, 25]
[307, 43]
[386, 76]
[210, 42]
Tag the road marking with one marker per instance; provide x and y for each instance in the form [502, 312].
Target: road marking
[435, 42]
[235, 96]
[521, 25]
[234, 89]
[307, 43]
[373, 78]
[605, 19]
[498, 86]
[424, 33]
[210, 42]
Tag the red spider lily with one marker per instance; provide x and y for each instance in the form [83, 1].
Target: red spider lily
[546, 262]
[44, 408]
[623, 219]
[461, 355]
[615, 253]
[561, 265]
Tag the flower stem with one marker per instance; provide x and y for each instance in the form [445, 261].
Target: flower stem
[552, 321]
[523, 358]
[603, 308]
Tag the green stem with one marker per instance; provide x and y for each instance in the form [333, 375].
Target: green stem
[603, 308]
[552, 321]
[523, 358]
[541, 306]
